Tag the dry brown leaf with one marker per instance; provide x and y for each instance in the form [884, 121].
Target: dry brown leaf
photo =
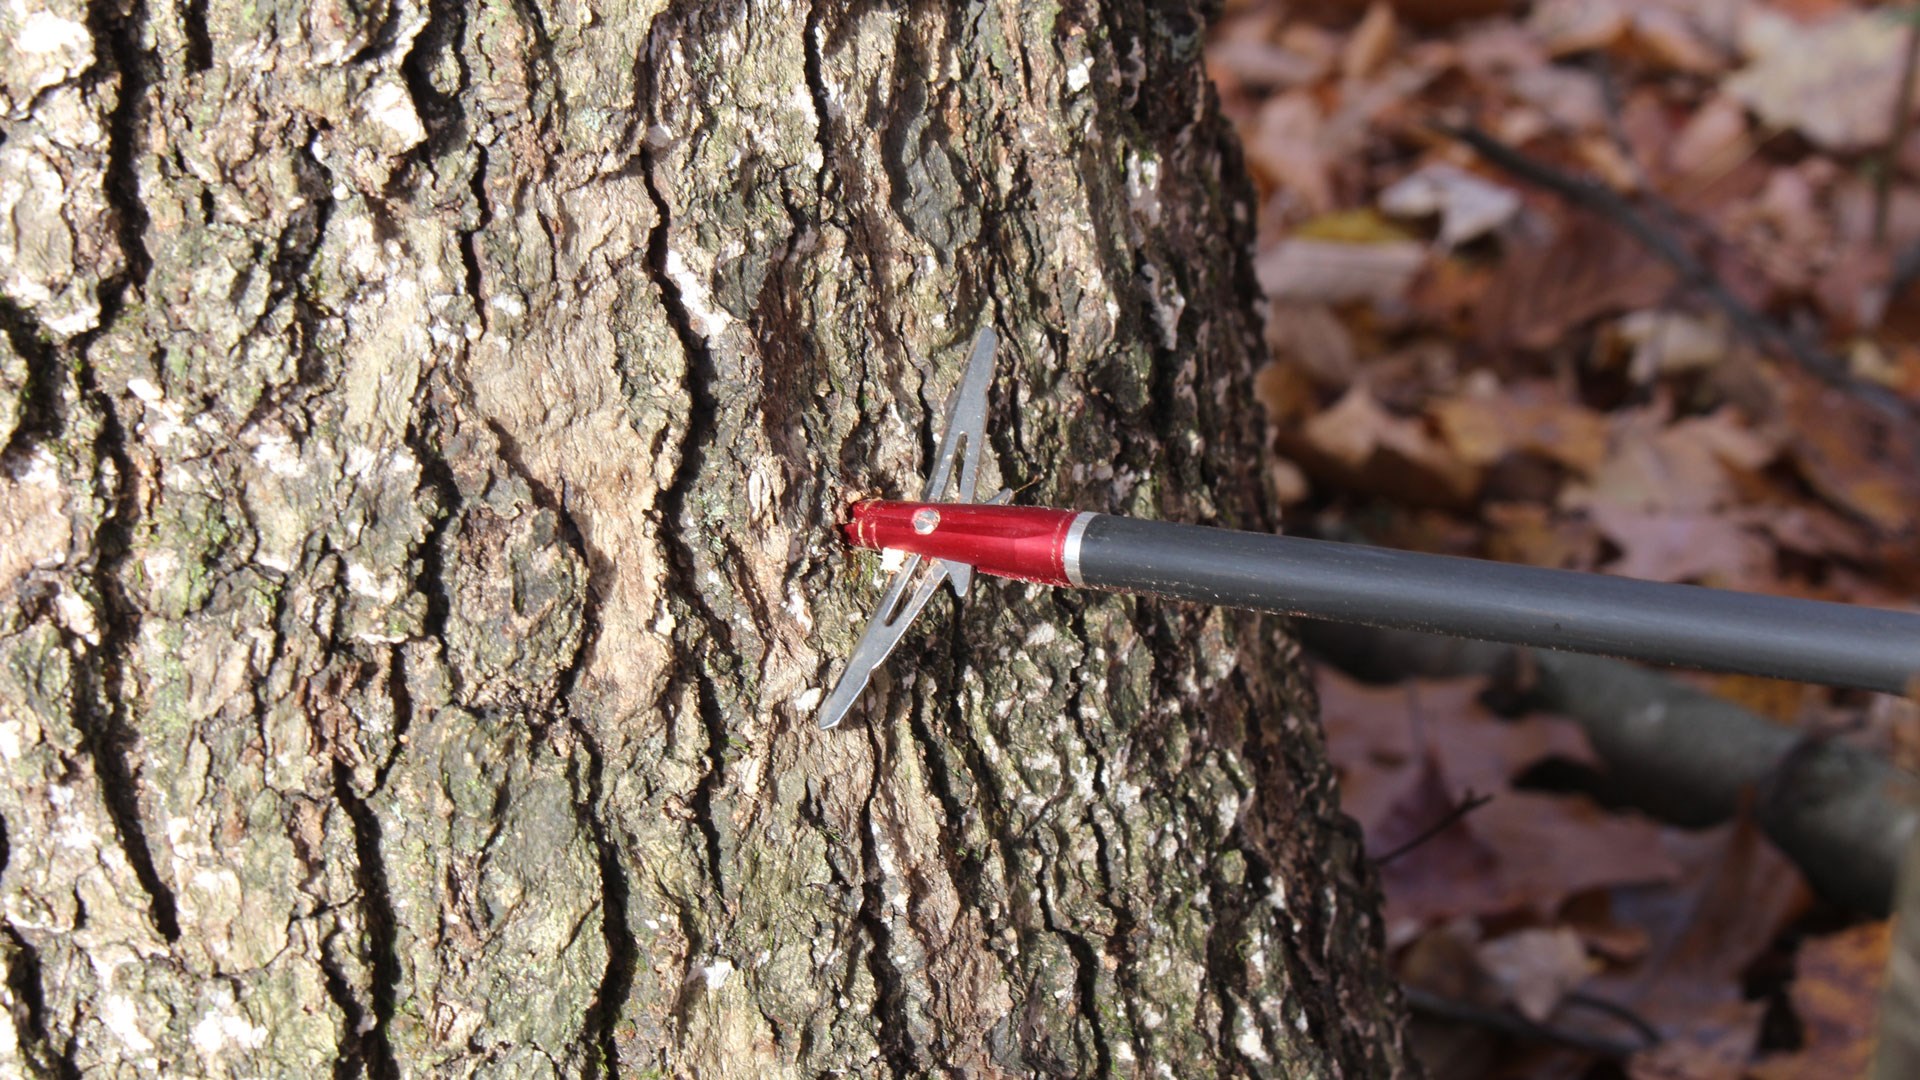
[1528, 418]
[1834, 82]
[1577, 26]
[1672, 342]
[1469, 206]
[1361, 446]
[1591, 916]
[1442, 12]
[1713, 140]
[1544, 290]
[1284, 149]
[1387, 727]
[1735, 895]
[1717, 1045]
[1533, 534]
[1261, 65]
[1814, 530]
[1536, 967]
[1574, 100]
[1316, 339]
[1370, 43]
[1683, 545]
[1696, 464]
[1836, 994]
[1407, 754]
[1286, 391]
[1663, 36]
[1776, 699]
[1322, 271]
[1851, 457]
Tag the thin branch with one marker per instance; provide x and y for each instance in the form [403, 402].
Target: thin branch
[1599, 199]
[1515, 1025]
[1466, 806]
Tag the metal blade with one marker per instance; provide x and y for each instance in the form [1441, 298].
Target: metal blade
[882, 634]
[962, 442]
[890, 621]
[964, 439]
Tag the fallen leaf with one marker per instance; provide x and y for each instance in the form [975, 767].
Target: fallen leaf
[1663, 36]
[1854, 459]
[1670, 545]
[1537, 967]
[1836, 995]
[1834, 82]
[1337, 273]
[1283, 148]
[1527, 418]
[1544, 290]
[1316, 339]
[1577, 26]
[1533, 534]
[1672, 342]
[1695, 464]
[1735, 893]
[1262, 65]
[1469, 206]
[1407, 755]
[1370, 42]
[1776, 699]
[1716, 1045]
[1361, 446]
[1574, 100]
[1285, 390]
[1712, 140]
[1592, 917]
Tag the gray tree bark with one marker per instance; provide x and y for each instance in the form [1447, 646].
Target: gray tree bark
[424, 429]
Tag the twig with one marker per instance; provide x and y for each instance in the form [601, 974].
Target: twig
[1646, 1031]
[1897, 134]
[1461, 809]
[1513, 1024]
[1694, 274]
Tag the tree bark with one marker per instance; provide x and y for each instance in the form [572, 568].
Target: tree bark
[424, 431]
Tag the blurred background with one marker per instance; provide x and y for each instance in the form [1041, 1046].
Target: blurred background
[1624, 286]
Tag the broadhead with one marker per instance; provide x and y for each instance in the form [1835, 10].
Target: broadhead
[961, 445]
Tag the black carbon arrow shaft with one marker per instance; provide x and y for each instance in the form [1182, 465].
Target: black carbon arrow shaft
[1680, 625]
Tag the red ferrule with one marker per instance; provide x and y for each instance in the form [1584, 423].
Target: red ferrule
[1024, 542]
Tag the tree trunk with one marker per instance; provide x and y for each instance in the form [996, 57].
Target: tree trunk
[424, 431]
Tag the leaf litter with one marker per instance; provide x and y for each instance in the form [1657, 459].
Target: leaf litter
[1469, 362]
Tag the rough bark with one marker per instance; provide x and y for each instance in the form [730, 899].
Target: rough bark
[424, 428]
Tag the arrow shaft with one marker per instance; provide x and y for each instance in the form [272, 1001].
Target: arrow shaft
[1681, 625]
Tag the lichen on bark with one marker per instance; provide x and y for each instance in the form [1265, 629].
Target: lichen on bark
[425, 428]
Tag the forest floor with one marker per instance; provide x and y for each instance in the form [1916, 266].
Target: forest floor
[1613, 285]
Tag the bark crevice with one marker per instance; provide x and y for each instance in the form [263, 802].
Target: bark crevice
[813, 66]
[116, 34]
[442, 113]
[24, 983]
[1086, 964]
[701, 433]
[350, 1059]
[889, 1007]
[99, 704]
[40, 409]
[623, 951]
[380, 928]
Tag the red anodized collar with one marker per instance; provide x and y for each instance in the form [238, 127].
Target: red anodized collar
[1029, 543]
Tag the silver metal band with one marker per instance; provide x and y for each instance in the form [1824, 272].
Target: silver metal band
[1070, 549]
